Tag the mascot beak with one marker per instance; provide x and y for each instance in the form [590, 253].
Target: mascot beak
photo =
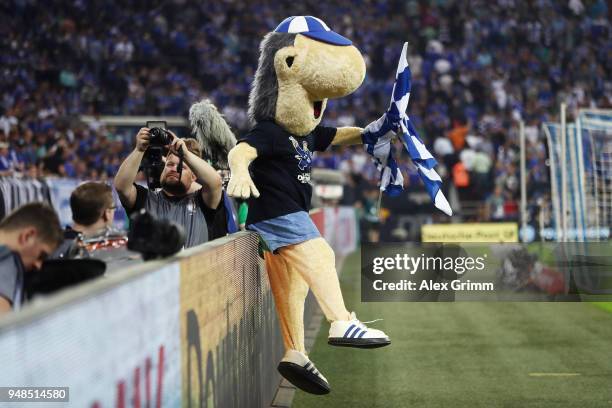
[309, 73]
[329, 71]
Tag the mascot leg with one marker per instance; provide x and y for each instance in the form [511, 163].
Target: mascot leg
[315, 261]
[290, 290]
[294, 269]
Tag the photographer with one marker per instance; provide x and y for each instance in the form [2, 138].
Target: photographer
[28, 236]
[93, 209]
[193, 205]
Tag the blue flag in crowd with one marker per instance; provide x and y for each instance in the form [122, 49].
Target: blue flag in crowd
[378, 136]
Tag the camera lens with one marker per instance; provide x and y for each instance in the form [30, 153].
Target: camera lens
[160, 137]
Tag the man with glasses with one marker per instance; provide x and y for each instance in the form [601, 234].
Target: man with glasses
[93, 211]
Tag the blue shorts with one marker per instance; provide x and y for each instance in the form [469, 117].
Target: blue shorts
[286, 230]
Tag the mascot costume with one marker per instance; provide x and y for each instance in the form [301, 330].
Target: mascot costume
[301, 65]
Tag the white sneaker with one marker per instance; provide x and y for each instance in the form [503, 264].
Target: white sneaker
[302, 373]
[353, 333]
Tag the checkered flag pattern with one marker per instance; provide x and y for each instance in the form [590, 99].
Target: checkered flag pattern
[378, 136]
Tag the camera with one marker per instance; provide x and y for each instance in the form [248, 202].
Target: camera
[159, 137]
[58, 274]
[153, 163]
[154, 237]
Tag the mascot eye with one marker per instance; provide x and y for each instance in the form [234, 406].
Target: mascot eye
[289, 61]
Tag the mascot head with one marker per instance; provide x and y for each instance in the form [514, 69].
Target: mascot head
[301, 64]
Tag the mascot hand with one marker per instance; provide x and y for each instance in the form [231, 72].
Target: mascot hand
[380, 131]
[242, 186]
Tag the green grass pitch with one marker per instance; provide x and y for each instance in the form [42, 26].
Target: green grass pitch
[469, 355]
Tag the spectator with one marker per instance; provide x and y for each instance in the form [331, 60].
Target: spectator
[481, 173]
[457, 135]
[93, 210]
[6, 159]
[510, 207]
[27, 237]
[196, 207]
[443, 147]
[478, 67]
[461, 179]
[495, 205]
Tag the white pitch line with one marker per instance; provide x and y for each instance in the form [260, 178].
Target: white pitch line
[554, 374]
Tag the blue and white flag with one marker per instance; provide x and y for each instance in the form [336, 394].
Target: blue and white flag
[378, 135]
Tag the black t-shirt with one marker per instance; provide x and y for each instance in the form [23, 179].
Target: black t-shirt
[281, 171]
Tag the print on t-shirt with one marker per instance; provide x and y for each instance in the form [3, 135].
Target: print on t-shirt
[304, 158]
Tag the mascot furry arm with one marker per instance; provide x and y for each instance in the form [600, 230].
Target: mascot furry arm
[301, 65]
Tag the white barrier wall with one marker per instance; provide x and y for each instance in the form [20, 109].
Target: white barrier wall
[118, 345]
[190, 331]
[197, 330]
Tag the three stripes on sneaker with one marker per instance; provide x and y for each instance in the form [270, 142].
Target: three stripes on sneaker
[357, 333]
[311, 368]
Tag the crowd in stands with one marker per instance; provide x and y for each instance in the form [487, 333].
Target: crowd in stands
[478, 67]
